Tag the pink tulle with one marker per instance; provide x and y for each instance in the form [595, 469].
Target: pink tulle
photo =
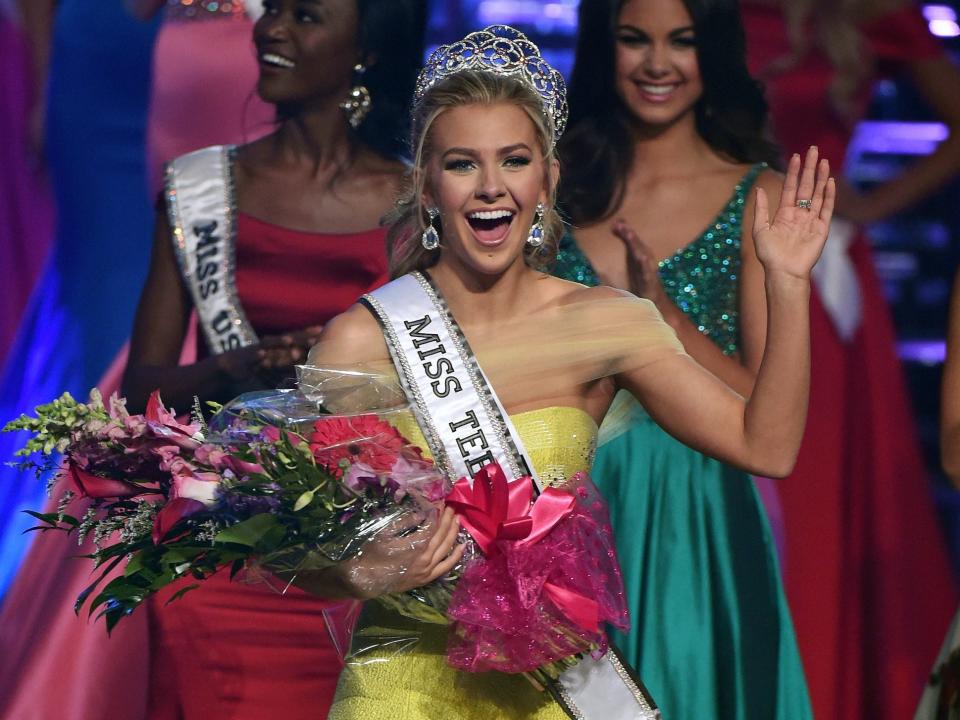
[524, 605]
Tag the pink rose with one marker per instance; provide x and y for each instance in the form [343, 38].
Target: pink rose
[163, 423]
[210, 455]
[167, 454]
[201, 487]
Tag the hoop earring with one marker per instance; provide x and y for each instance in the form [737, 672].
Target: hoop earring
[358, 102]
[430, 238]
[535, 238]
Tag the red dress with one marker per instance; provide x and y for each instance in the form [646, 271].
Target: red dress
[237, 651]
[867, 574]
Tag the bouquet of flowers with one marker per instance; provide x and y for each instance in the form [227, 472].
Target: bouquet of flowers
[273, 482]
[182, 500]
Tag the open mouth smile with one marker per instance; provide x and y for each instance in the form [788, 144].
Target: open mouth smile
[490, 227]
[278, 61]
[656, 93]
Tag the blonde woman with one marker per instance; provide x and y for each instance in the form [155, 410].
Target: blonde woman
[467, 244]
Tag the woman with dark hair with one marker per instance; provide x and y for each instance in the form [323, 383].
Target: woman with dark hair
[266, 242]
[664, 149]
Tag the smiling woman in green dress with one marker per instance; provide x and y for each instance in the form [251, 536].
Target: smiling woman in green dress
[664, 147]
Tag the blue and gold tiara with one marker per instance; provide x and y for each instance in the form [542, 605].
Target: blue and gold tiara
[500, 50]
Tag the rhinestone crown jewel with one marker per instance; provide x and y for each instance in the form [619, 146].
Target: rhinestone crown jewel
[501, 50]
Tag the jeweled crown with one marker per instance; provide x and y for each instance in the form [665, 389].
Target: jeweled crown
[501, 50]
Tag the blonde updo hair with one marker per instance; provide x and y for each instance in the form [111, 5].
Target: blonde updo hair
[409, 219]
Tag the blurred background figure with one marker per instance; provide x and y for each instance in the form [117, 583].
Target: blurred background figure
[89, 117]
[26, 210]
[204, 78]
[941, 697]
[864, 550]
[660, 162]
[301, 224]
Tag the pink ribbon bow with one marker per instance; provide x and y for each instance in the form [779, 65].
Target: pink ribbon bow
[493, 509]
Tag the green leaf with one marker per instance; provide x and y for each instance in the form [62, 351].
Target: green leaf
[181, 592]
[49, 518]
[135, 565]
[249, 532]
[81, 598]
[302, 501]
[236, 567]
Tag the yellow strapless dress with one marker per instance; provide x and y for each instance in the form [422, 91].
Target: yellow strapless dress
[408, 678]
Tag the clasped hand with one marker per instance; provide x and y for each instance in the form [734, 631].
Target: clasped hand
[402, 557]
[271, 360]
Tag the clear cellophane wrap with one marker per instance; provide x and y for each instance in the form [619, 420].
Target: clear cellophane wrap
[512, 605]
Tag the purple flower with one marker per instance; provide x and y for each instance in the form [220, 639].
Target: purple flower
[405, 475]
[360, 476]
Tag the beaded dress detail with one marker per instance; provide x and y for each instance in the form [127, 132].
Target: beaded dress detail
[710, 634]
[702, 278]
[204, 9]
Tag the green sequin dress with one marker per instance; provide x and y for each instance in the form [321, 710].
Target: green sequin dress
[711, 634]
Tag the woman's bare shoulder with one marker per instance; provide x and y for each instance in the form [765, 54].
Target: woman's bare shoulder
[353, 336]
[575, 293]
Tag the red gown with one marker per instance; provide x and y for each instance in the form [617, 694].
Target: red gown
[867, 574]
[240, 651]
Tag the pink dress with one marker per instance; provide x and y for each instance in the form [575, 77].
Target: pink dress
[204, 83]
[26, 208]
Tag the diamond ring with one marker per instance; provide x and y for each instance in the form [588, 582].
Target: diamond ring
[805, 204]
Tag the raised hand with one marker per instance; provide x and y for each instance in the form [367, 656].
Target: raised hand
[791, 242]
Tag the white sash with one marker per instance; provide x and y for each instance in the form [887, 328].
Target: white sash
[836, 282]
[202, 210]
[466, 428]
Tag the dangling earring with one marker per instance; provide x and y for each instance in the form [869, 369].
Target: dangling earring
[358, 102]
[535, 238]
[430, 239]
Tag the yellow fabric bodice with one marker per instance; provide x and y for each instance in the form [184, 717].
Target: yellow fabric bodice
[559, 440]
[400, 671]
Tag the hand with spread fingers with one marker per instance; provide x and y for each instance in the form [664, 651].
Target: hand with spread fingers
[791, 241]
